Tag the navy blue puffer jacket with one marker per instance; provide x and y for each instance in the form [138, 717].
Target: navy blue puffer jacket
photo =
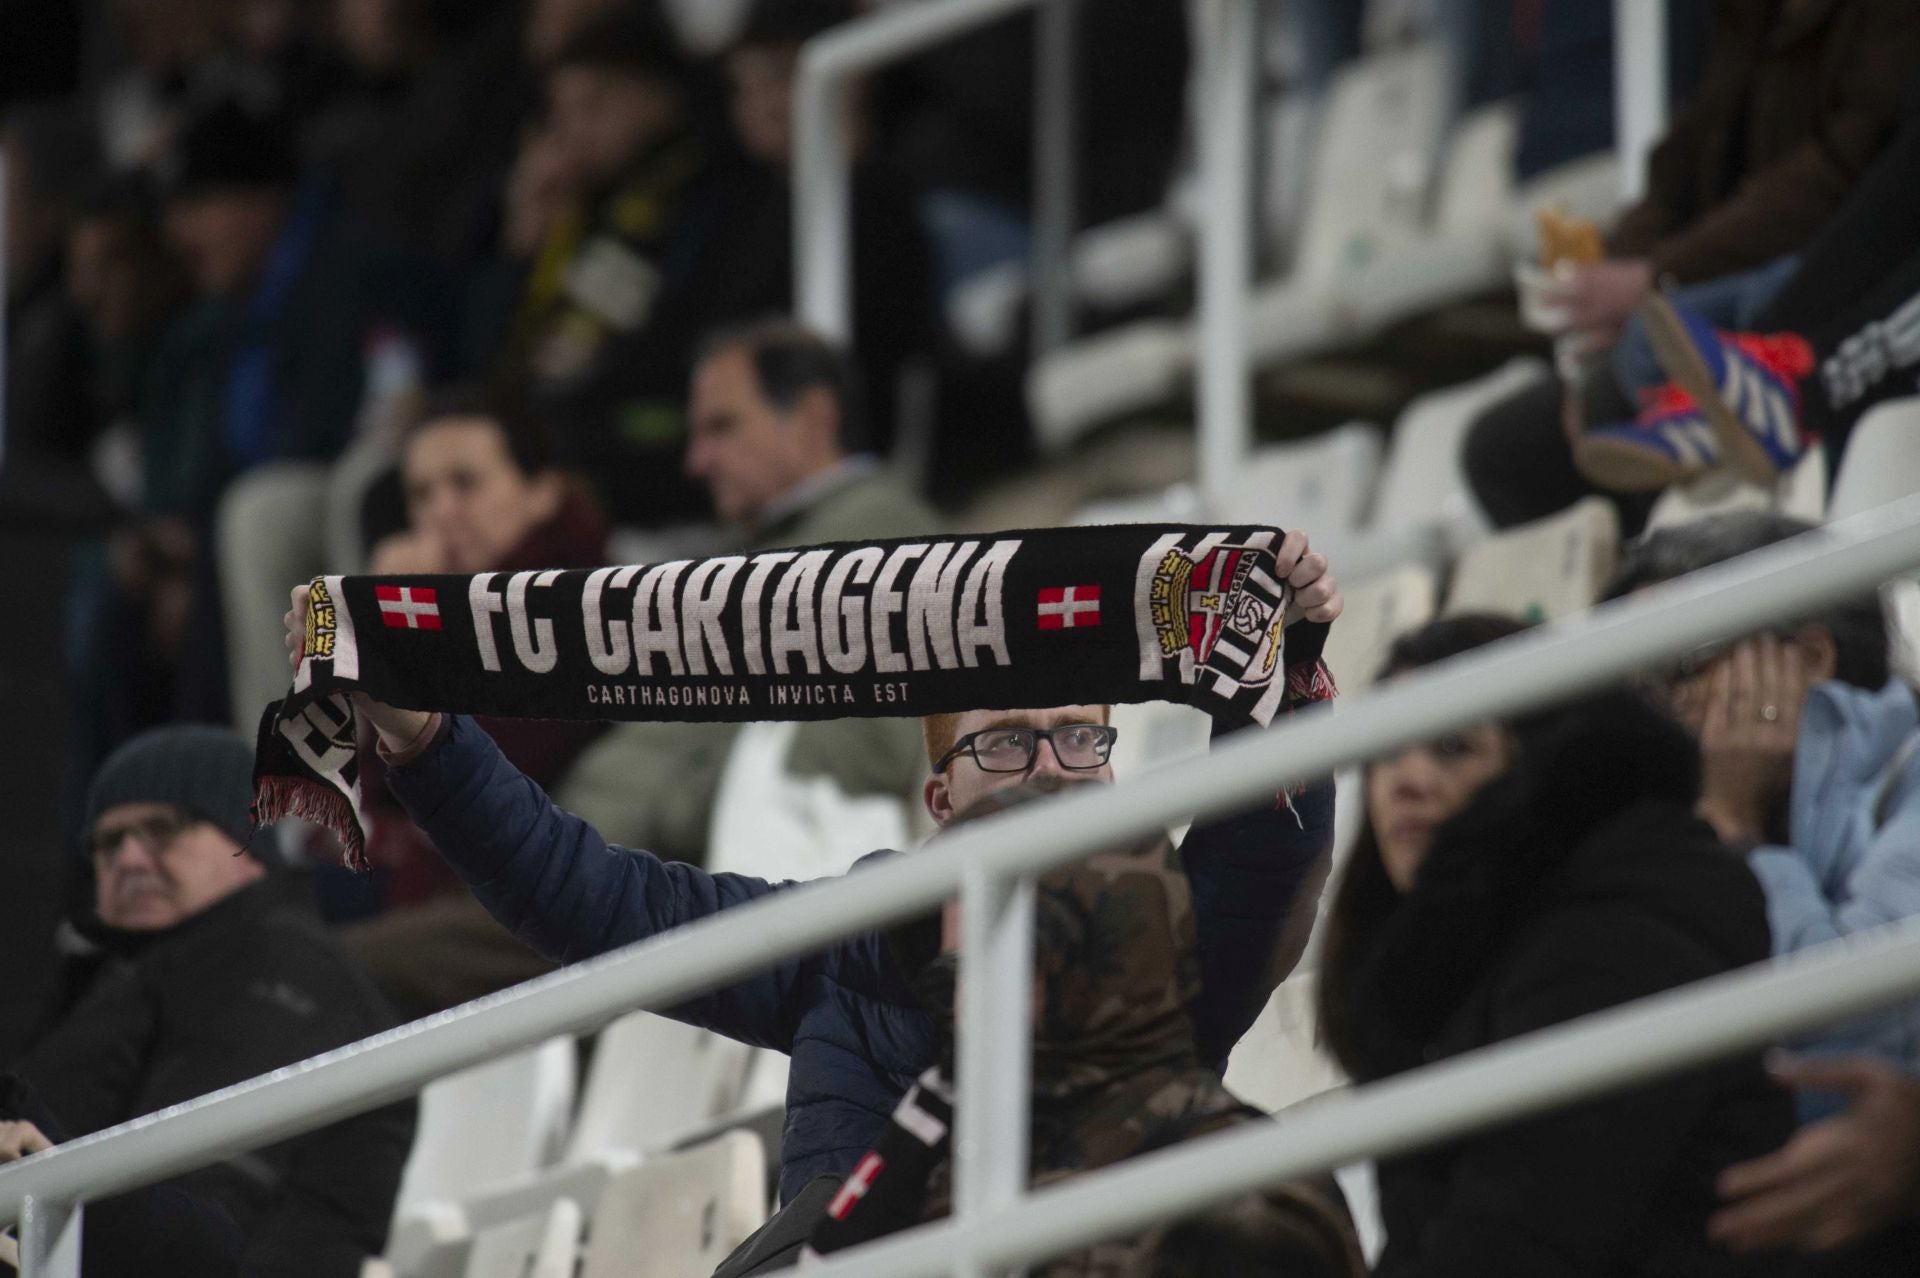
[856, 1034]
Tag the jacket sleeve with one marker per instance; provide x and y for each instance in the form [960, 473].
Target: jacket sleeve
[1884, 885]
[1558, 1196]
[554, 882]
[1776, 210]
[1255, 878]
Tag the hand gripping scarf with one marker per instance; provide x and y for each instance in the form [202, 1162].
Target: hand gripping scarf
[887, 628]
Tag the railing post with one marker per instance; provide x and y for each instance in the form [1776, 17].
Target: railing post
[1639, 87]
[822, 248]
[49, 1239]
[1055, 172]
[1225, 64]
[996, 1041]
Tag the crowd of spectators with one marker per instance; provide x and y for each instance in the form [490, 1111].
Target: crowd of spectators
[418, 286]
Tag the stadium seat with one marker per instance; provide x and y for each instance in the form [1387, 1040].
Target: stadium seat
[651, 1080]
[679, 1215]
[1157, 732]
[1423, 484]
[1367, 194]
[1323, 484]
[490, 1123]
[1882, 462]
[1277, 1062]
[1378, 611]
[543, 1246]
[1466, 255]
[773, 825]
[1801, 492]
[1550, 568]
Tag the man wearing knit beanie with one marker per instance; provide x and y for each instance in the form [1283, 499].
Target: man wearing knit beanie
[169, 826]
[216, 973]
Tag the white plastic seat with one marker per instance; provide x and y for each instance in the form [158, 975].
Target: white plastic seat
[773, 825]
[1882, 465]
[652, 1079]
[681, 1214]
[542, 1246]
[1123, 370]
[1801, 492]
[1366, 193]
[1278, 1062]
[1378, 611]
[1323, 484]
[1882, 462]
[1423, 482]
[1466, 254]
[1175, 503]
[1550, 568]
[492, 1124]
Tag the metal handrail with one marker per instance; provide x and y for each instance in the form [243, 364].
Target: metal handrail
[1553, 661]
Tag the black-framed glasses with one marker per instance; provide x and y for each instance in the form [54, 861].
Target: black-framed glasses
[155, 833]
[1080, 747]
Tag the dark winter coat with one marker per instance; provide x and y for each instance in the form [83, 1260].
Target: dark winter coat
[1796, 99]
[850, 1020]
[246, 986]
[1577, 881]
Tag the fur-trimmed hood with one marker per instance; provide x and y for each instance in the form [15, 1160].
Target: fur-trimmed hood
[1595, 813]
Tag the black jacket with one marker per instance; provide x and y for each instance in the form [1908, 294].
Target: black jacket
[246, 986]
[1578, 881]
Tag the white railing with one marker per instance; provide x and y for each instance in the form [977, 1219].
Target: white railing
[997, 1224]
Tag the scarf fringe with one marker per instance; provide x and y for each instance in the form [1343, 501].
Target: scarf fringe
[278, 797]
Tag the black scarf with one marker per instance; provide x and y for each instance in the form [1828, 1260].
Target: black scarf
[888, 628]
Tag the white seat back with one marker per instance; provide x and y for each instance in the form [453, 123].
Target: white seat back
[1801, 492]
[543, 1246]
[1378, 611]
[1476, 178]
[1423, 482]
[489, 1123]
[652, 1080]
[1373, 163]
[1882, 462]
[1278, 1061]
[1323, 484]
[773, 825]
[1550, 568]
[681, 1214]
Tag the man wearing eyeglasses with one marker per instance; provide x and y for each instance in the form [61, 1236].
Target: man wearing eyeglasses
[848, 1018]
[213, 971]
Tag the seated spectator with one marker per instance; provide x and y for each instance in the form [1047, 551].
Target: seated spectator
[778, 440]
[1793, 105]
[895, 311]
[1510, 877]
[1832, 342]
[1811, 757]
[482, 496]
[1116, 1071]
[217, 975]
[620, 286]
[847, 1015]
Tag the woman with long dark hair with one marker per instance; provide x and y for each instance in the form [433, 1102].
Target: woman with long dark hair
[1510, 877]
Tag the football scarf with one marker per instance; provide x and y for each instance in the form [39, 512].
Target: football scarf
[887, 628]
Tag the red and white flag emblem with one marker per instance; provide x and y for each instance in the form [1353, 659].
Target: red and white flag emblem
[857, 1186]
[409, 607]
[1069, 607]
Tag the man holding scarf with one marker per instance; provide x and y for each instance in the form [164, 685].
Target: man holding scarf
[848, 1017]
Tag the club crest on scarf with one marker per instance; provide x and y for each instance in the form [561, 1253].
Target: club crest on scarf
[1195, 598]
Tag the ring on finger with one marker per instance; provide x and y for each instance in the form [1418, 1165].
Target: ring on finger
[1769, 713]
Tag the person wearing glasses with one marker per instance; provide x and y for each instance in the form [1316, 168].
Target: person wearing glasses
[847, 1016]
[214, 971]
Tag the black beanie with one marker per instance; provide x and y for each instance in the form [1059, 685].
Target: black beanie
[206, 770]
